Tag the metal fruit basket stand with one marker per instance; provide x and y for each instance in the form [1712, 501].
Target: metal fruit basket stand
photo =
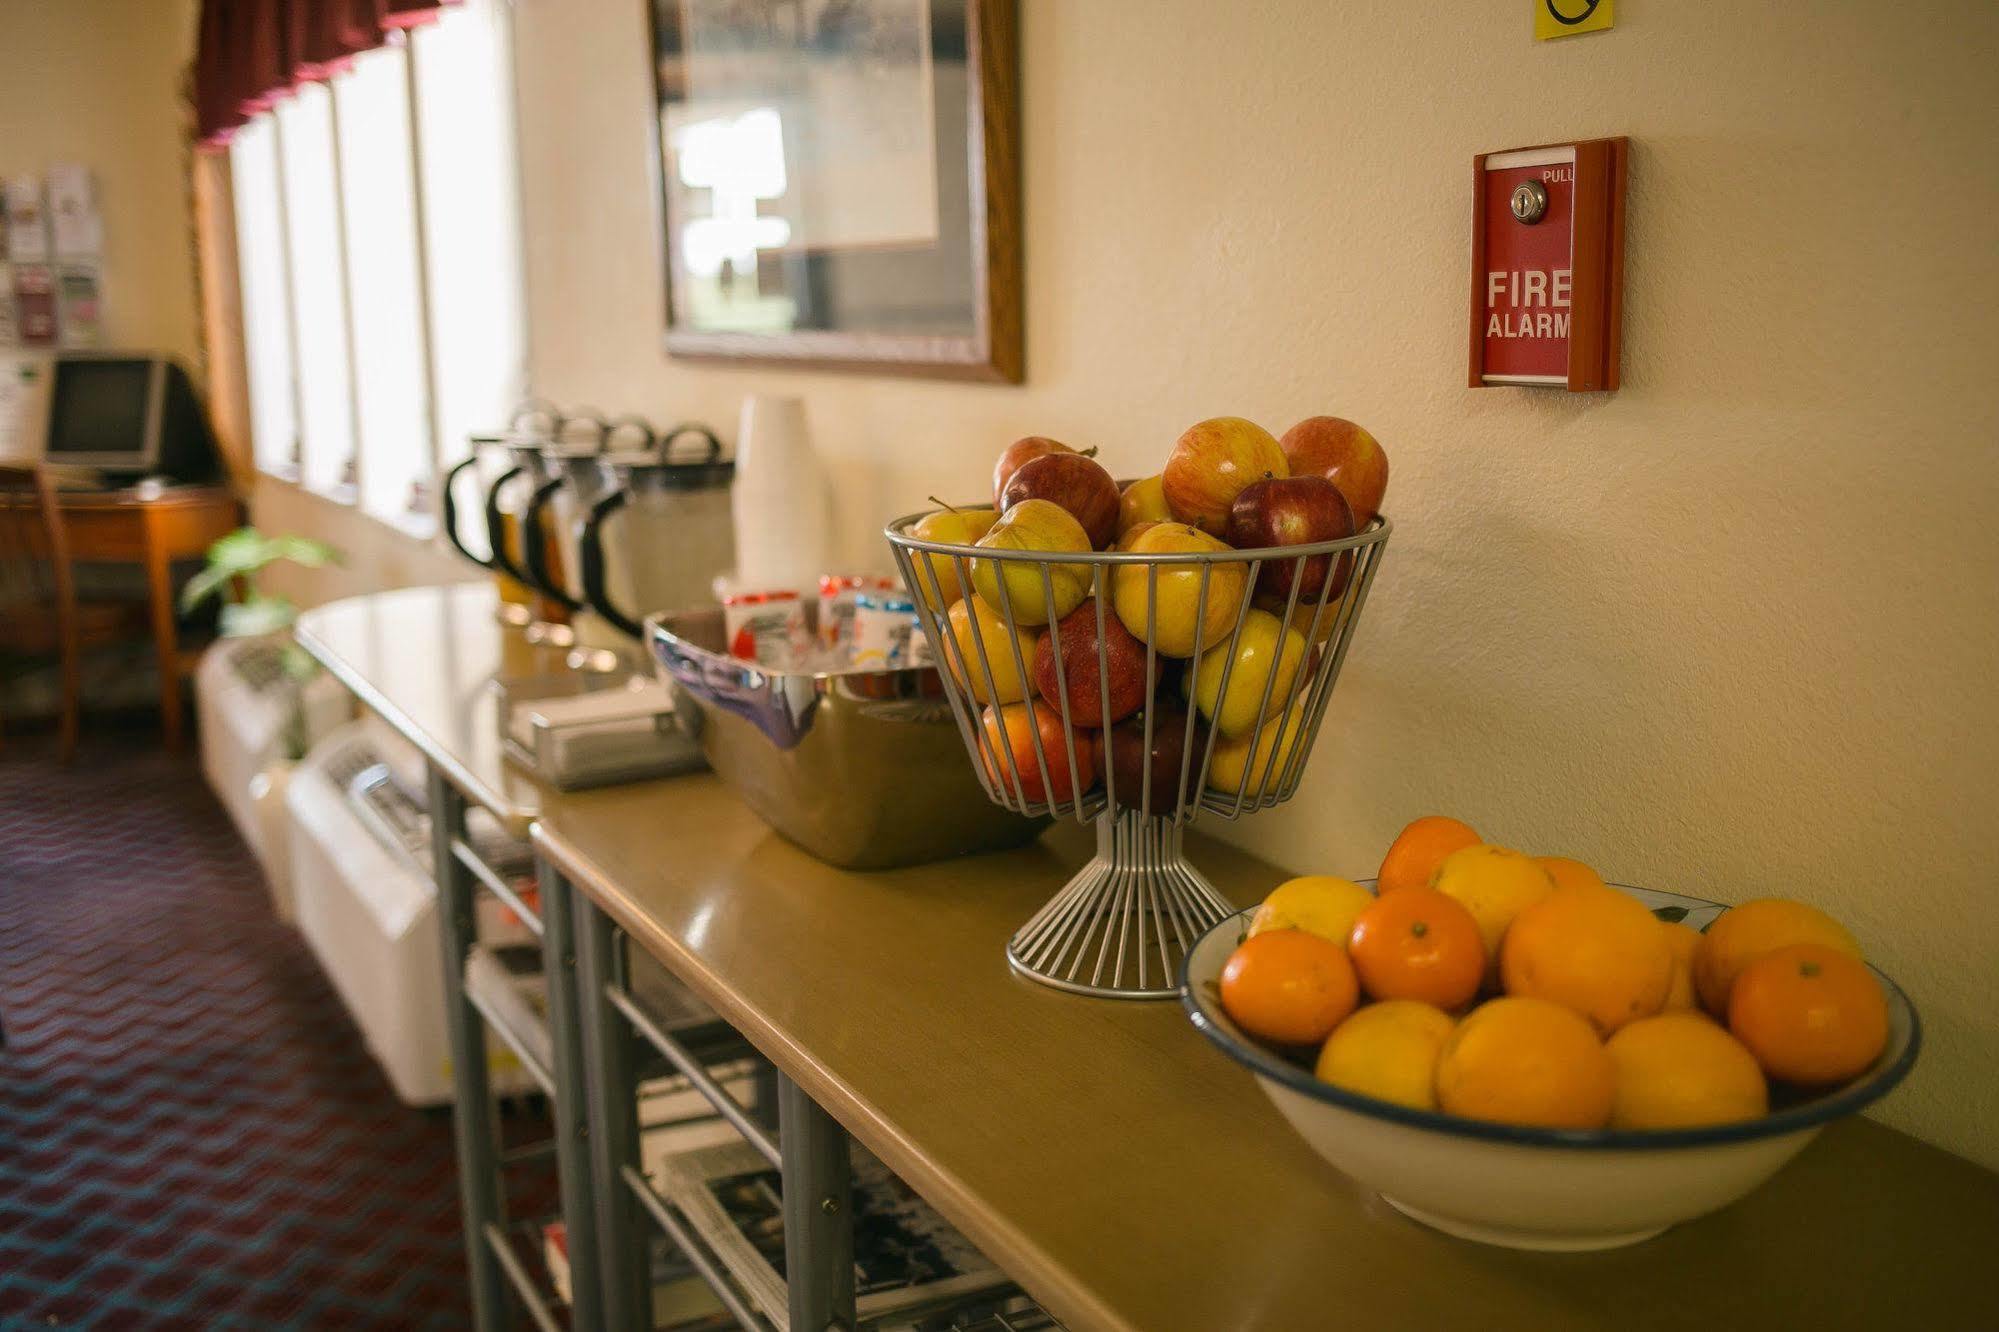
[1121, 926]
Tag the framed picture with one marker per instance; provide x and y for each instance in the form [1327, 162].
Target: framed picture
[839, 183]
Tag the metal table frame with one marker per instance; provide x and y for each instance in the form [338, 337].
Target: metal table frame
[495, 1268]
[810, 1150]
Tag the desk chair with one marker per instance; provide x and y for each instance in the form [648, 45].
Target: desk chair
[40, 616]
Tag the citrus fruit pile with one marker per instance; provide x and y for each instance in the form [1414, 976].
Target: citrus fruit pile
[1482, 982]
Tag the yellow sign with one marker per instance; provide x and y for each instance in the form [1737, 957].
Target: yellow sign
[1566, 18]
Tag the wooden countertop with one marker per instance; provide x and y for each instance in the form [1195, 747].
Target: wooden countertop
[1124, 1172]
[1131, 1177]
[425, 659]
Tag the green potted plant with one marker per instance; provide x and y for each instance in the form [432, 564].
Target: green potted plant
[235, 565]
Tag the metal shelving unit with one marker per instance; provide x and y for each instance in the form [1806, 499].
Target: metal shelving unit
[498, 1269]
[783, 1125]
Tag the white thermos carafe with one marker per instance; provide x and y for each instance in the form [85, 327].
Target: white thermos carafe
[783, 518]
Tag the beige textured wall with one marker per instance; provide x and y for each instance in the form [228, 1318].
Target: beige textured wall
[1730, 630]
[98, 82]
[375, 555]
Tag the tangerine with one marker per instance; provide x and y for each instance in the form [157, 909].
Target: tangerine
[1811, 1014]
[1744, 933]
[1418, 849]
[1388, 1051]
[1494, 884]
[1526, 1061]
[1683, 939]
[1288, 987]
[1569, 873]
[1418, 944]
[1680, 1070]
[1318, 903]
[1602, 954]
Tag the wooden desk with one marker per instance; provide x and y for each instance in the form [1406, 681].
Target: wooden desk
[152, 530]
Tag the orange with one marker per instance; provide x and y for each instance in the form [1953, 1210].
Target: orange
[1495, 885]
[1388, 1051]
[1683, 939]
[1680, 1070]
[1570, 873]
[1601, 954]
[1418, 944]
[1418, 849]
[1288, 987]
[1526, 1061]
[1317, 903]
[1811, 1014]
[1742, 934]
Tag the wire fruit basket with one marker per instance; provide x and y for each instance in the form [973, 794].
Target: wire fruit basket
[1136, 689]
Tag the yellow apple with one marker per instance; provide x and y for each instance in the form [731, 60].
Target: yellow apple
[1006, 684]
[1172, 620]
[1264, 648]
[955, 527]
[1233, 759]
[1036, 525]
[1143, 501]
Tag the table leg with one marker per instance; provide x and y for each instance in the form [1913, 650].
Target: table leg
[472, 1116]
[611, 1079]
[763, 1089]
[166, 644]
[572, 1122]
[818, 1212]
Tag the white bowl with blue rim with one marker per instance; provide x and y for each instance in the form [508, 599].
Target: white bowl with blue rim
[1536, 1188]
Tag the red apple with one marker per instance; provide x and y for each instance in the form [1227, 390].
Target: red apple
[1346, 455]
[1077, 483]
[1090, 666]
[1021, 452]
[1211, 462]
[1012, 729]
[1128, 759]
[1293, 511]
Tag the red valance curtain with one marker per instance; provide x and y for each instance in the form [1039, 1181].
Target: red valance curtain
[251, 53]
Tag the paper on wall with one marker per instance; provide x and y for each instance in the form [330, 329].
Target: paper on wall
[35, 304]
[79, 305]
[76, 225]
[27, 223]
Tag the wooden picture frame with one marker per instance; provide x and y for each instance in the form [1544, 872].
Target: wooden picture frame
[986, 341]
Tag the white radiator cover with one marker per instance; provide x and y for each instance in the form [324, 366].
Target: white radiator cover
[242, 721]
[370, 916]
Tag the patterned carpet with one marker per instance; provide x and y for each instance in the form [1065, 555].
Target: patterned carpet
[191, 1131]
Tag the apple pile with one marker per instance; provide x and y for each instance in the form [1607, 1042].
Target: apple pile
[1038, 648]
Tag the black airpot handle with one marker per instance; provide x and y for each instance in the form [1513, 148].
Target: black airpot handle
[534, 546]
[450, 522]
[592, 543]
[496, 527]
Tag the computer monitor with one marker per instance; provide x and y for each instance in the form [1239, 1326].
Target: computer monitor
[128, 415]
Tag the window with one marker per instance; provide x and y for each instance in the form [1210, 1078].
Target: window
[471, 223]
[378, 210]
[318, 288]
[267, 310]
[379, 240]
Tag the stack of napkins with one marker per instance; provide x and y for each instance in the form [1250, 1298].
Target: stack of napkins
[605, 736]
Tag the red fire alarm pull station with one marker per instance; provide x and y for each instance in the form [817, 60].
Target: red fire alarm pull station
[1547, 265]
